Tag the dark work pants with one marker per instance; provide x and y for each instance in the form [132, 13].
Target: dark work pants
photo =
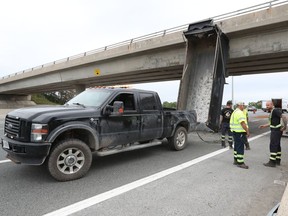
[239, 147]
[226, 129]
[275, 146]
[245, 140]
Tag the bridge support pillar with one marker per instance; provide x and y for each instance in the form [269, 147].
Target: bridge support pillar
[203, 78]
[9, 101]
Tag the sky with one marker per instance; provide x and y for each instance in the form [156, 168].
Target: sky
[36, 32]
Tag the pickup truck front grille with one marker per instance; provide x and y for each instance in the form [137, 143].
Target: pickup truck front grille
[12, 127]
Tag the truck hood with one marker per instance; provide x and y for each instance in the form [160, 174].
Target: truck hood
[45, 113]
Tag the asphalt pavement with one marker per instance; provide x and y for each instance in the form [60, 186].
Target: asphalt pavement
[210, 186]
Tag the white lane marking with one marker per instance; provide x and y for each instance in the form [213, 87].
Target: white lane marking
[78, 206]
[279, 182]
[5, 161]
[125, 188]
[255, 120]
[258, 136]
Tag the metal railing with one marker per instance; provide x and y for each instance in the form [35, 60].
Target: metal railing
[236, 13]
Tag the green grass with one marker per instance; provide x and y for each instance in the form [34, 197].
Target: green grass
[41, 100]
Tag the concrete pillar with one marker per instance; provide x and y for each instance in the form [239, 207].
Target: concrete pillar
[283, 209]
[9, 101]
[203, 78]
[80, 88]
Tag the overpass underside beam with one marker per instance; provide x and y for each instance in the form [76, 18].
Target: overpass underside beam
[203, 78]
[265, 63]
[260, 51]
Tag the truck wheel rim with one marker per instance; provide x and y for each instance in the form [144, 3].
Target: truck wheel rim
[180, 139]
[70, 161]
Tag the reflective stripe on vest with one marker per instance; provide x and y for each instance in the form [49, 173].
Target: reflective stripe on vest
[277, 126]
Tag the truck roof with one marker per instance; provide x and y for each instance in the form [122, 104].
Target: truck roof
[120, 90]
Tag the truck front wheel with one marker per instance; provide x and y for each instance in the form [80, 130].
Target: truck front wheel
[69, 160]
[179, 139]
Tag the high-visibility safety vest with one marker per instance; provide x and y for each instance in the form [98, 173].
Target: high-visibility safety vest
[235, 121]
[245, 113]
[273, 126]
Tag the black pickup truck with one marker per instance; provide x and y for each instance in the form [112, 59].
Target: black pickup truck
[101, 120]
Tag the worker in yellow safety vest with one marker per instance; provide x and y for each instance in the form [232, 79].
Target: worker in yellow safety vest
[239, 128]
[247, 145]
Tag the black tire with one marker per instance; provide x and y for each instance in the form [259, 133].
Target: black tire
[179, 139]
[69, 160]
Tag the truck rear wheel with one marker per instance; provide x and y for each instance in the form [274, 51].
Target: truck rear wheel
[69, 160]
[179, 139]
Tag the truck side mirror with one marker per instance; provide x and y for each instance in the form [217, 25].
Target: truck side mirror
[118, 107]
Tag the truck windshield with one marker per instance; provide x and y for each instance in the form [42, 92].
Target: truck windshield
[90, 98]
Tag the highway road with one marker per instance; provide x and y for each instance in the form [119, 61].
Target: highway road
[200, 180]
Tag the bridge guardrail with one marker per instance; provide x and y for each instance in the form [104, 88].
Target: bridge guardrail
[232, 14]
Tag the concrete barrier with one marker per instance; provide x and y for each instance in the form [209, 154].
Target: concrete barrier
[283, 209]
[3, 112]
[6, 104]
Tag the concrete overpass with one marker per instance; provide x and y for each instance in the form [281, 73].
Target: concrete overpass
[257, 39]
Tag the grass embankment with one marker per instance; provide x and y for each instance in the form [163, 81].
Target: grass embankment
[41, 100]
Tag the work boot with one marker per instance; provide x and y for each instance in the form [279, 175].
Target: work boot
[270, 164]
[230, 146]
[243, 165]
[223, 145]
[278, 162]
[247, 146]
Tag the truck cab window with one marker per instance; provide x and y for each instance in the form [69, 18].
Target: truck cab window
[127, 99]
[148, 101]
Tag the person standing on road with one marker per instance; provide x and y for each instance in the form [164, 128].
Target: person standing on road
[247, 145]
[276, 133]
[239, 128]
[225, 127]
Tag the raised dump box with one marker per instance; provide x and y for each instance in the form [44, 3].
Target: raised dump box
[204, 72]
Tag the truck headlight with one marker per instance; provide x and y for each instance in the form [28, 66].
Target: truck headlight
[38, 132]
